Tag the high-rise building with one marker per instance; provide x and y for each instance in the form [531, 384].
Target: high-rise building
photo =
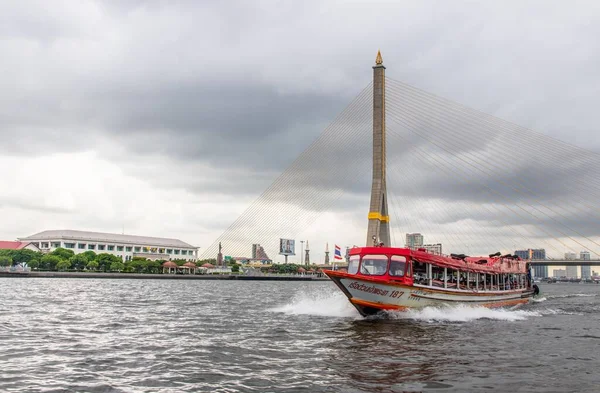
[258, 252]
[586, 272]
[584, 255]
[538, 253]
[435, 249]
[540, 271]
[572, 271]
[558, 273]
[414, 240]
[570, 256]
[531, 253]
[523, 254]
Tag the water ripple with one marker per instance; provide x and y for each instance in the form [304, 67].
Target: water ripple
[69, 335]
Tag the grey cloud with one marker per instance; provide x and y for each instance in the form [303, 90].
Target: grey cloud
[220, 97]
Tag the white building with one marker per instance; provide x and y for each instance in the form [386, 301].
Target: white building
[124, 246]
[584, 255]
[433, 248]
[558, 273]
[571, 271]
[570, 256]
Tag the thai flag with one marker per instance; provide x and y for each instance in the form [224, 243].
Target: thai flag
[338, 252]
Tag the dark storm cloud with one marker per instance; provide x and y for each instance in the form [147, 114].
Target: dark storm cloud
[248, 88]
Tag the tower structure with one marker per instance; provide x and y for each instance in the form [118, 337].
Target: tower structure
[307, 255]
[220, 261]
[379, 221]
[326, 254]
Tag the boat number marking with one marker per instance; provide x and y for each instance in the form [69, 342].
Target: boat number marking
[374, 290]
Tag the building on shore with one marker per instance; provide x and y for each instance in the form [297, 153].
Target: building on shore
[259, 257]
[571, 271]
[435, 249]
[9, 245]
[559, 273]
[586, 272]
[414, 240]
[570, 256]
[531, 253]
[124, 246]
[584, 255]
[540, 271]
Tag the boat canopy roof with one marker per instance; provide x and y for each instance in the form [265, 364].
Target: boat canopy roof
[490, 265]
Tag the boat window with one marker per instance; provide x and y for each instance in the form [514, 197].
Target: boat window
[452, 278]
[374, 265]
[420, 272]
[438, 276]
[397, 266]
[353, 264]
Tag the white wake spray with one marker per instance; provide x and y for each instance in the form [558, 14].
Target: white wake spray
[463, 313]
[324, 304]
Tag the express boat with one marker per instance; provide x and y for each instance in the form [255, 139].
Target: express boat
[387, 278]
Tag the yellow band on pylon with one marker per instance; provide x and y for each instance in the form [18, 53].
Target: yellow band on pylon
[378, 216]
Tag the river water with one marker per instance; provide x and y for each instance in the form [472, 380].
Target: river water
[88, 335]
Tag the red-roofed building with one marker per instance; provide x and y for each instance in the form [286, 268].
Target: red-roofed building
[8, 245]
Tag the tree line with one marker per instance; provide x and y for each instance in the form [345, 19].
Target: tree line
[63, 259]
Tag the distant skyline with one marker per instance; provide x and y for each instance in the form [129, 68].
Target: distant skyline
[169, 119]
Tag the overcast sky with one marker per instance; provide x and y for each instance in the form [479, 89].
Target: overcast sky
[169, 118]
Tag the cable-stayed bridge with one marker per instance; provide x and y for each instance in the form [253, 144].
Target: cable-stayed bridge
[473, 182]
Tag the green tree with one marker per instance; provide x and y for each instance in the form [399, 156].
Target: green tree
[63, 253]
[235, 268]
[92, 265]
[34, 264]
[105, 260]
[63, 265]
[49, 261]
[78, 261]
[117, 266]
[5, 261]
[137, 265]
[24, 257]
[153, 267]
[89, 255]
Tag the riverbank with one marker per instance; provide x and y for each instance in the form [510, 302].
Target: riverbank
[138, 276]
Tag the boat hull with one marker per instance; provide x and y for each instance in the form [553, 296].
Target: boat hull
[371, 296]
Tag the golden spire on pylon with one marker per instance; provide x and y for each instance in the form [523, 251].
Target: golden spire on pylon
[378, 60]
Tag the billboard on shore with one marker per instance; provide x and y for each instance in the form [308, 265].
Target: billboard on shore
[287, 247]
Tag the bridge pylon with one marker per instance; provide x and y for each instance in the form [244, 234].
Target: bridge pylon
[379, 221]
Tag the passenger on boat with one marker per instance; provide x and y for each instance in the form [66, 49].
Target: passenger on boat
[397, 268]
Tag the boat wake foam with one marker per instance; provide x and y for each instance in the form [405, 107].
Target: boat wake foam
[463, 313]
[323, 304]
[572, 295]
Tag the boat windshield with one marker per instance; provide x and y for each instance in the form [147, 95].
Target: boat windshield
[397, 266]
[374, 265]
[353, 264]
